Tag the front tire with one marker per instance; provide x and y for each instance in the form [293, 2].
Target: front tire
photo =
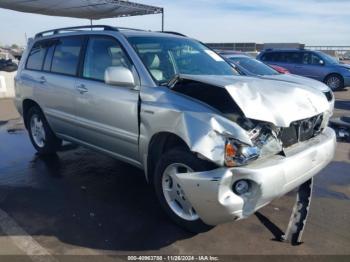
[42, 137]
[169, 192]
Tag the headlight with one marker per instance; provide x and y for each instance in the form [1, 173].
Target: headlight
[266, 144]
[238, 154]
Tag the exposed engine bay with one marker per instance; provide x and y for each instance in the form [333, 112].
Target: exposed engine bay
[267, 138]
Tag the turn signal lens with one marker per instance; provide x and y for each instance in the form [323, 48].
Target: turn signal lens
[230, 150]
[238, 154]
[230, 153]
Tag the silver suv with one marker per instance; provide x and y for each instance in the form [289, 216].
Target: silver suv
[215, 145]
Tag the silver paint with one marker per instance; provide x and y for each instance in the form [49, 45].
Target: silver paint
[121, 121]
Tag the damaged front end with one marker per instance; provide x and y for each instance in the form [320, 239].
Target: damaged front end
[261, 139]
[269, 133]
[260, 156]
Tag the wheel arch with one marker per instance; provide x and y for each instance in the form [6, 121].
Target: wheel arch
[26, 105]
[160, 143]
[333, 73]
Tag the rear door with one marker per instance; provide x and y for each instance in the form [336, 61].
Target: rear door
[291, 60]
[58, 78]
[107, 115]
[50, 72]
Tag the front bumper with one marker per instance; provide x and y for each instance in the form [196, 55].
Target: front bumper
[346, 81]
[211, 194]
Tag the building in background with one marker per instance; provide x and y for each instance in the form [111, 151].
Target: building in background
[242, 47]
[282, 46]
[252, 47]
[341, 52]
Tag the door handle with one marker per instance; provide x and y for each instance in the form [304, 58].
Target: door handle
[82, 89]
[42, 80]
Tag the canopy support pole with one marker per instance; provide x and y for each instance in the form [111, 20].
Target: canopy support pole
[162, 19]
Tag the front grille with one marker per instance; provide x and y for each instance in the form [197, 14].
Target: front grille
[301, 130]
[329, 95]
[289, 136]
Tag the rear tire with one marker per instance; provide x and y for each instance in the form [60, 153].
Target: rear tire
[334, 82]
[175, 204]
[42, 137]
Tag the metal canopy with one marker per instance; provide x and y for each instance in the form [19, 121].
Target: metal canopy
[89, 9]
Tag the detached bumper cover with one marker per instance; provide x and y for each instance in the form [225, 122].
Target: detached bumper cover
[215, 202]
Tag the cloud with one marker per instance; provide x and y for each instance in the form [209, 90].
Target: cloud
[314, 22]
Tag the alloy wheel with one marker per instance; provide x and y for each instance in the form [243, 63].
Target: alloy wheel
[38, 131]
[174, 194]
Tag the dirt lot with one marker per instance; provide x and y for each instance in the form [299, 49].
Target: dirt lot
[83, 203]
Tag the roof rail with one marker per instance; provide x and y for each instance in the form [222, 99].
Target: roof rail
[75, 28]
[172, 32]
[129, 28]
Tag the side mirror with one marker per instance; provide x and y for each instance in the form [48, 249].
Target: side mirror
[321, 62]
[119, 76]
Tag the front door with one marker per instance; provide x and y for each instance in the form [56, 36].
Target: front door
[312, 66]
[107, 115]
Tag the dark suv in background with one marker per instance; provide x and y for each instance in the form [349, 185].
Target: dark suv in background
[313, 64]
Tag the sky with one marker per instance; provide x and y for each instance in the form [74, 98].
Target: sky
[313, 22]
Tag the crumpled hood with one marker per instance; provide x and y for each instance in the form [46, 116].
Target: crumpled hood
[277, 102]
[298, 80]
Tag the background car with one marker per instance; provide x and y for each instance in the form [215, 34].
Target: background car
[312, 64]
[247, 65]
[280, 69]
[7, 65]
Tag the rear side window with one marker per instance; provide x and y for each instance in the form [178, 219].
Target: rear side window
[283, 57]
[101, 53]
[36, 56]
[272, 57]
[66, 55]
[292, 57]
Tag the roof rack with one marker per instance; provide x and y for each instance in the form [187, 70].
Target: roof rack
[91, 27]
[75, 28]
[129, 28]
[172, 32]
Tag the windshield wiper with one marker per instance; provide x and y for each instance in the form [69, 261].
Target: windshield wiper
[172, 82]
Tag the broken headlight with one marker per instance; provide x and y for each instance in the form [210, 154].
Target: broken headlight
[238, 154]
[265, 143]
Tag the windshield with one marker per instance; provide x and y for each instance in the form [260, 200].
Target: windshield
[253, 66]
[166, 57]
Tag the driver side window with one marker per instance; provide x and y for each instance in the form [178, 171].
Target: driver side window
[101, 53]
[311, 59]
